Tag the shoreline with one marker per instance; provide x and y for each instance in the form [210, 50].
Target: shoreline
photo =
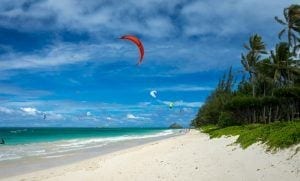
[186, 157]
[12, 168]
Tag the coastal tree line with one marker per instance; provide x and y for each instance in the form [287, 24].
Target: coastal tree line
[268, 87]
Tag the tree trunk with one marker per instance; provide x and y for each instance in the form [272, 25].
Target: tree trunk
[253, 94]
[277, 111]
[264, 109]
[270, 114]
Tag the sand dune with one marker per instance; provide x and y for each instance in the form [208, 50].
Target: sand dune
[189, 157]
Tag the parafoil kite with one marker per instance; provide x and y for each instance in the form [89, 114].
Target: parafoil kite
[153, 93]
[171, 104]
[138, 43]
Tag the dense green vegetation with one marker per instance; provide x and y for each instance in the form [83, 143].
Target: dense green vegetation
[265, 101]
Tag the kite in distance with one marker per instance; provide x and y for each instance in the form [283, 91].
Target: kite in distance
[153, 93]
[138, 43]
[171, 104]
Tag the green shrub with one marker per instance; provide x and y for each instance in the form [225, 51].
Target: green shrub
[292, 92]
[274, 135]
[225, 119]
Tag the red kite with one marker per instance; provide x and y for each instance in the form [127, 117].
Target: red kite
[138, 43]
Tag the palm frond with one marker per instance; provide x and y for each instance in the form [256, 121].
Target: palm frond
[263, 52]
[286, 14]
[280, 21]
[296, 28]
[295, 49]
[294, 38]
[246, 46]
[281, 33]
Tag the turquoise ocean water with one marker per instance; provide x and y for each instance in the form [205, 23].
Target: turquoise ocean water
[29, 142]
[13, 136]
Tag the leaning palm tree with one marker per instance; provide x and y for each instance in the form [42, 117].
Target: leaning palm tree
[255, 48]
[292, 26]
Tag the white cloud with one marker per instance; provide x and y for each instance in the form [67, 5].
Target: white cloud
[185, 88]
[131, 116]
[59, 54]
[6, 110]
[54, 116]
[184, 104]
[229, 17]
[30, 111]
[164, 25]
[18, 91]
[70, 113]
[149, 18]
[113, 16]
[109, 118]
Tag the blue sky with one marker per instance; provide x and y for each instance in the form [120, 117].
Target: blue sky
[63, 57]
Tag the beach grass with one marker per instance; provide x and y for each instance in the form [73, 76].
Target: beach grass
[275, 136]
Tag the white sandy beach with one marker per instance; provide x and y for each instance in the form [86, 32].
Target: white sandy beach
[188, 157]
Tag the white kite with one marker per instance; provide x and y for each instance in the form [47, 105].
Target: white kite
[153, 93]
[88, 113]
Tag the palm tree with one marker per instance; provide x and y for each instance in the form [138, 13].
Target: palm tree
[292, 26]
[283, 65]
[279, 70]
[265, 84]
[255, 48]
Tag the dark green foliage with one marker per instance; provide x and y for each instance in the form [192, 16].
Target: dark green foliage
[225, 119]
[243, 102]
[209, 113]
[292, 92]
[242, 108]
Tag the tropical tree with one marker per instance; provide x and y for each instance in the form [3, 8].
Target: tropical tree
[292, 26]
[285, 68]
[255, 48]
[282, 61]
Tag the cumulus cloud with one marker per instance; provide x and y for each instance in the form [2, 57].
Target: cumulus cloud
[184, 104]
[172, 23]
[6, 110]
[131, 116]
[228, 17]
[109, 118]
[185, 88]
[89, 15]
[18, 91]
[59, 54]
[150, 18]
[30, 111]
[69, 113]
